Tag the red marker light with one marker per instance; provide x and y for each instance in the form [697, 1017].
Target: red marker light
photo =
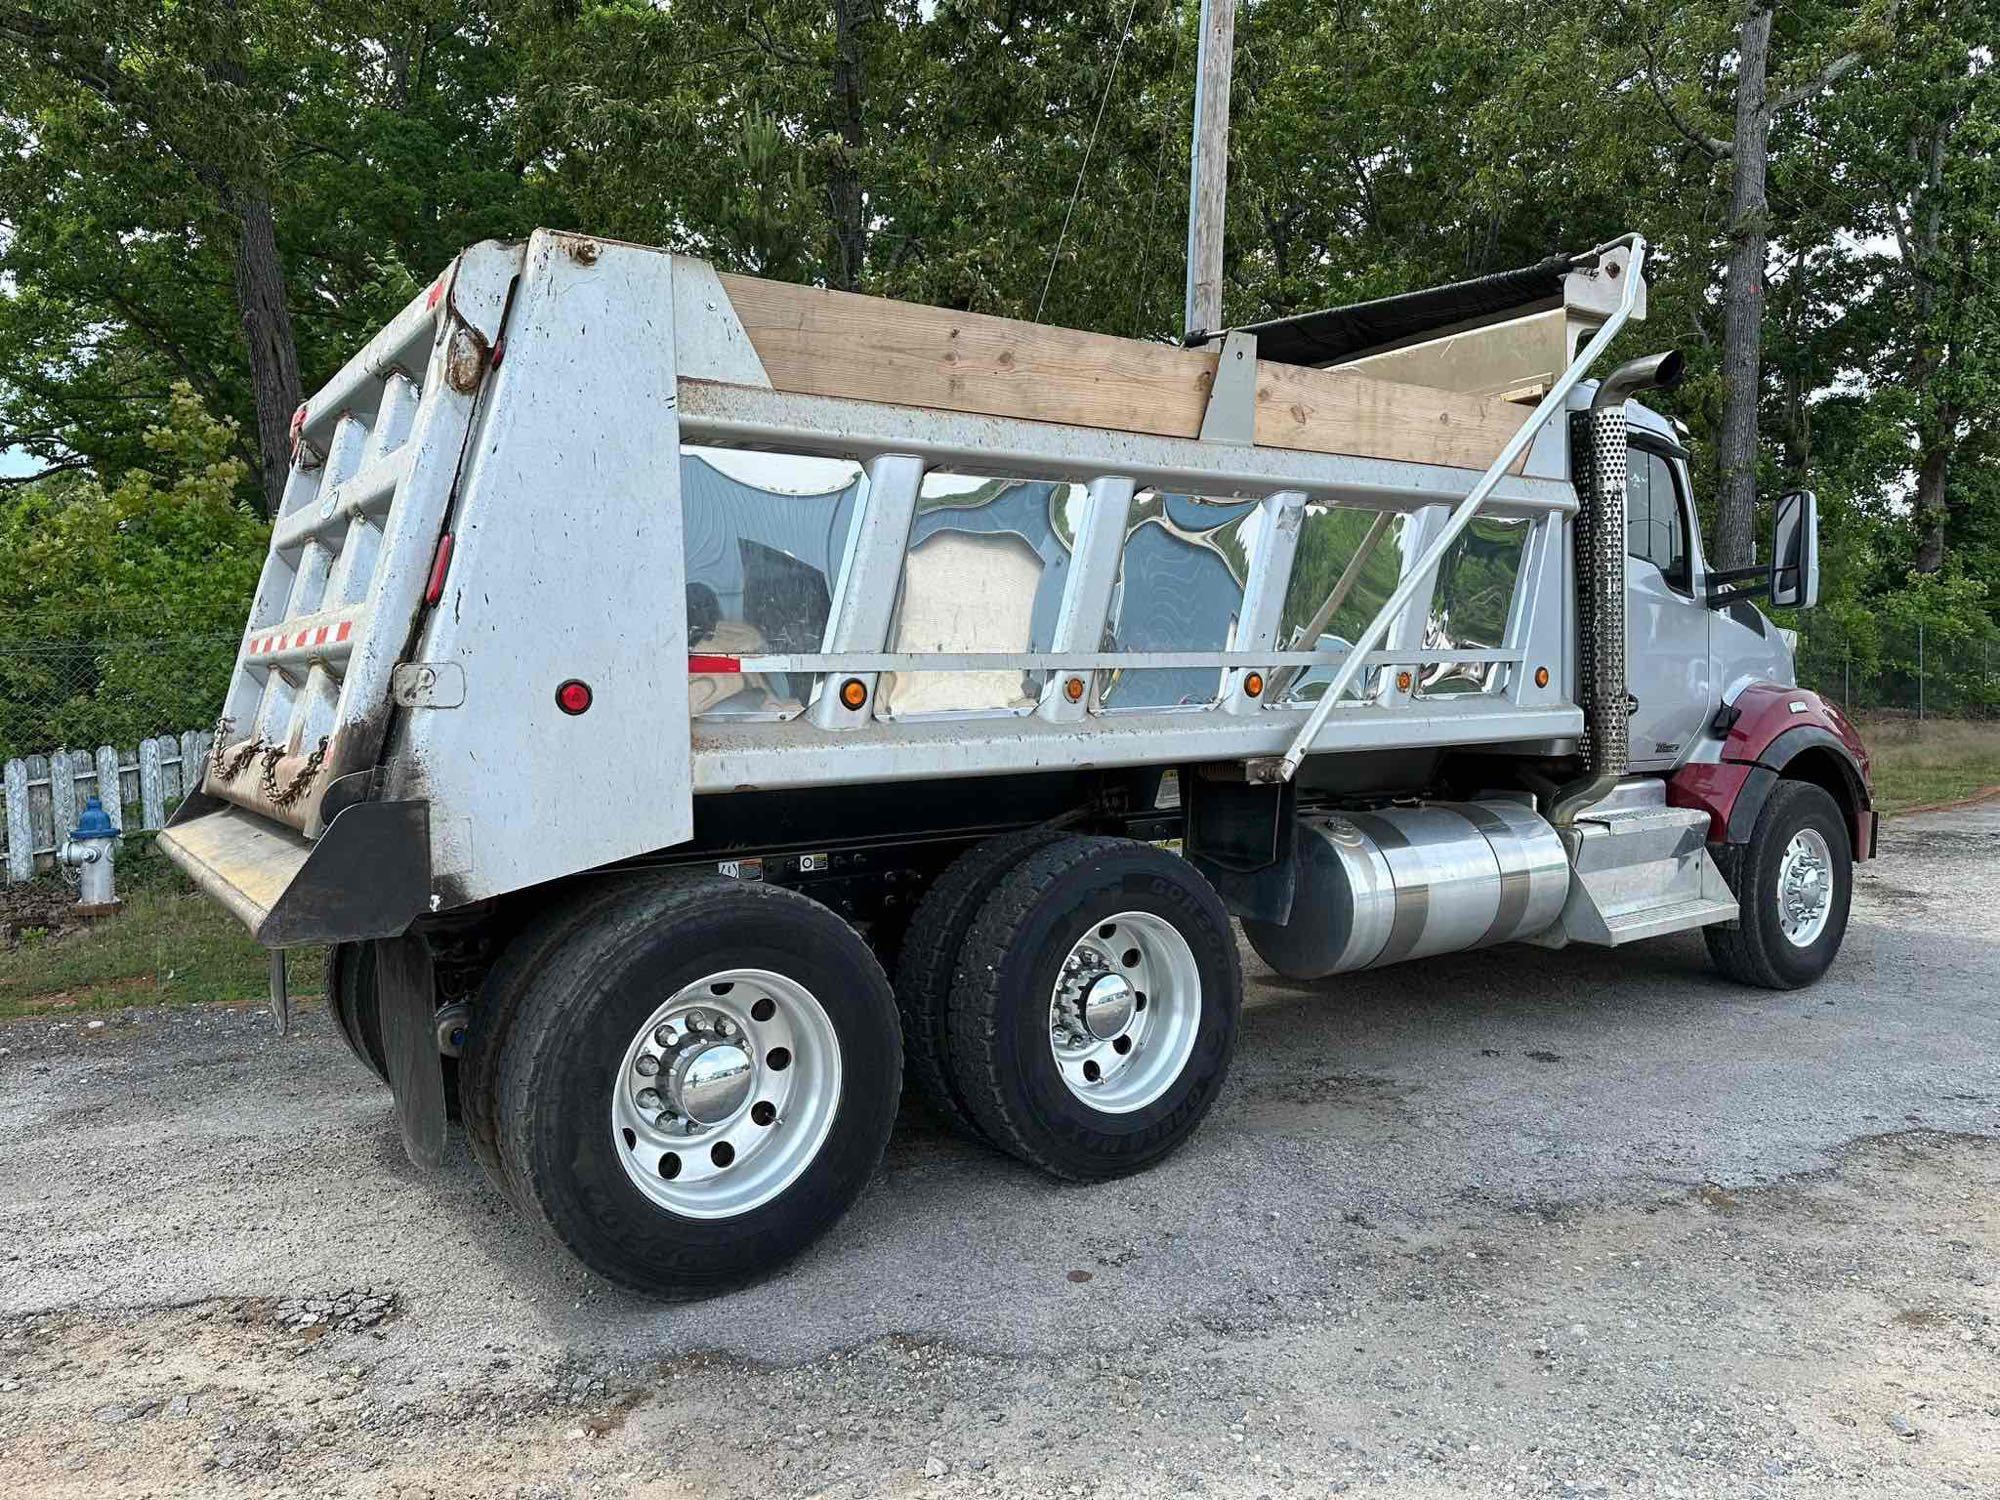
[440, 565]
[573, 697]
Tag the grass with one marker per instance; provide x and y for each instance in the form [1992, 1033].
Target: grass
[1939, 760]
[170, 945]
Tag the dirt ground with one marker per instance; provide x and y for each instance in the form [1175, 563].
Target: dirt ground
[1517, 1223]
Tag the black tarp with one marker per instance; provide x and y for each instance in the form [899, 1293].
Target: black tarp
[1338, 333]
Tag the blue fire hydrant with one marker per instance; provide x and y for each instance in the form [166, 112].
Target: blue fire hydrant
[90, 849]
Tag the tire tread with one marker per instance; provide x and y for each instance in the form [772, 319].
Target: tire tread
[928, 964]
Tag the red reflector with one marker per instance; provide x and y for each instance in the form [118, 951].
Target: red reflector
[440, 565]
[436, 291]
[698, 664]
[573, 697]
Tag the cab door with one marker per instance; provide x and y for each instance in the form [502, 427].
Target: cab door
[1667, 659]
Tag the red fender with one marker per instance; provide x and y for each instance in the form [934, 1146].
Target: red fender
[1768, 727]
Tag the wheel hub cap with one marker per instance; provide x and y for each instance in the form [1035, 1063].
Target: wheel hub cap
[710, 1081]
[1805, 888]
[1107, 1006]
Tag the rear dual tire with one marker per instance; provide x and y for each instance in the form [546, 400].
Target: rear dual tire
[688, 1080]
[354, 1003]
[692, 1082]
[1094, 1007]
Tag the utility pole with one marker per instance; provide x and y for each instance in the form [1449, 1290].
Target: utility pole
[1208, 181]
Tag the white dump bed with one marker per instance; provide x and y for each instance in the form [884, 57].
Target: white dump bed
[790, 538]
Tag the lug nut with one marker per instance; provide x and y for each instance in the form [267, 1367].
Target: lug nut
[648, 1065]
[665, 1034]
[697, 1019]
[649, 1099]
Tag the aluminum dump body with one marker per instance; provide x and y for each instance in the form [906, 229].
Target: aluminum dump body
[792, 538]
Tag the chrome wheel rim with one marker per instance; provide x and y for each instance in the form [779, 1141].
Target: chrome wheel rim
[726, 1094]
[1805, 888]
[1124, 1012]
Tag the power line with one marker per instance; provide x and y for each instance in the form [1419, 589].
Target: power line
[1091, 145]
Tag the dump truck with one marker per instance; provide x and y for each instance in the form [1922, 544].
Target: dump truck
[692, 708]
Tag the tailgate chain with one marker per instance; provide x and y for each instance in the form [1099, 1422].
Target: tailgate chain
[225, 766]
[294, 789]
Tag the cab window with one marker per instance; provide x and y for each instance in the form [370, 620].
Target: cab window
[1654, 529]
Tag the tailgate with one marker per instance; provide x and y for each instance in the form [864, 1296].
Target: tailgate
[376, 455]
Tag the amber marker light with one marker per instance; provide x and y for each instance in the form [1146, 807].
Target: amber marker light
[1541, 677]
[1402, 682]
[1073, 690]
[853, 693]
[1254, 684]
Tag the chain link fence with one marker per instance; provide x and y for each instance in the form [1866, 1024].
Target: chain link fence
[107, 689]
[1877, 668]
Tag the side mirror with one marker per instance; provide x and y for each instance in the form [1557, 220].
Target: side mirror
[1795, 550]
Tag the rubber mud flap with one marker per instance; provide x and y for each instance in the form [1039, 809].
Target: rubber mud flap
[408, 1000]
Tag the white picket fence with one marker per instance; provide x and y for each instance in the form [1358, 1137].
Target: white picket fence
[137, 787]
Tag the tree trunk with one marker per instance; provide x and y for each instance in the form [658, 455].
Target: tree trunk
[850, 230]
[1927, 507]
[1743, 297]
[267, 334]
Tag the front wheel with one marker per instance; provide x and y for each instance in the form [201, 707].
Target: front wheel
[1793, 881]
[697, 1083]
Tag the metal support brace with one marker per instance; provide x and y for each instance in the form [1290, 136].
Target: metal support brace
[1270, 572]
[1538, 622]
[1461, 516]
[1406, 632]
[1231, 414]
[865, 605]
[1086, 602]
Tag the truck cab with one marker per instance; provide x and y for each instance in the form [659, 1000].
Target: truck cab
[1685, 658]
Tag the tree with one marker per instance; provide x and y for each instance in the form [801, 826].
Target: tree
[232, 193]
[1921, 180]
[185, 91]
[1747, 151]
[120, 608]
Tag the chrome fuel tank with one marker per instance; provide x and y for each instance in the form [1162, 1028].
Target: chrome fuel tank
[1406, 882]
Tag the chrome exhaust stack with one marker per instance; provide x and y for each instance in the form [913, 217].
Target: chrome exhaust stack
[1598, 460]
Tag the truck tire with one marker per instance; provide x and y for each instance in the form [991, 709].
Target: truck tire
[495, 1007]
[697, 1082]
[929, 959]
[350, 991]
[1793, 881]
[1095, 1007]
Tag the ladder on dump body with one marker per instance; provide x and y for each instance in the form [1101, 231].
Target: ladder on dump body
[364, 503]
[862, 610]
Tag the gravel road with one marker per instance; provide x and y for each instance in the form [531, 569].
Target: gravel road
[1583, 1223]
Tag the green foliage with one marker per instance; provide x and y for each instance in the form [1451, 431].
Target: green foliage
[1026, 158]
[120, 608]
